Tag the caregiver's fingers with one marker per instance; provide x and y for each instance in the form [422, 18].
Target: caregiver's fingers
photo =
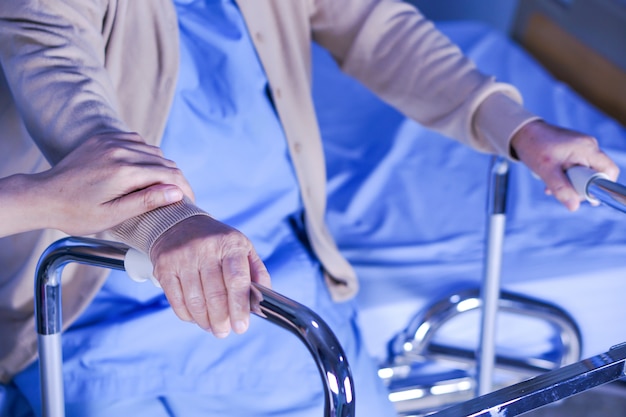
[139, 176]
[142, 201]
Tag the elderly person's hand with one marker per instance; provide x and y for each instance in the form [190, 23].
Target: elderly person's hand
[549, 151]
[205, 269]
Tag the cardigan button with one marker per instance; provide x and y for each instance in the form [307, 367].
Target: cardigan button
[297, 147]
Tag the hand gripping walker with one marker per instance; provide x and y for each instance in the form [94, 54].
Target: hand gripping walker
[298, 319]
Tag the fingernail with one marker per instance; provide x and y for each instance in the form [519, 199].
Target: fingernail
[240, 326]
[571, 204]
[221, 335]
[173, 195]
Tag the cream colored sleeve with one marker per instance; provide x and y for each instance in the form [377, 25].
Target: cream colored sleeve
[401, 56]
[53, 58]
[142, 231]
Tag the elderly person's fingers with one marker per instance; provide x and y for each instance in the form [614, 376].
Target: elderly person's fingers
[549, 151]
[215, 265]
[174, 292]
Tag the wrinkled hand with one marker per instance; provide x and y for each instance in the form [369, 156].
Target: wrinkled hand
[549, 151]
[106, 180]
[205, 269]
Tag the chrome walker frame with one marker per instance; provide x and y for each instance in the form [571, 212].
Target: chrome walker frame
[416, 342]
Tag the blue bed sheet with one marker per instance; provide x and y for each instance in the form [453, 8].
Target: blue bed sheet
[408, 206]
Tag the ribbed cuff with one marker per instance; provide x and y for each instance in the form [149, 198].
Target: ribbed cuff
[142, 231]
[498, 118]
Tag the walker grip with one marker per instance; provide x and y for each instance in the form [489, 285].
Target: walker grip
[581, 177]
[139, 267]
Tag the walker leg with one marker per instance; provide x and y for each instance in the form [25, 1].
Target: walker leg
[490, 291]
[51, 375]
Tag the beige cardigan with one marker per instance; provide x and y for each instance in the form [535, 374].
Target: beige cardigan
[83, 67]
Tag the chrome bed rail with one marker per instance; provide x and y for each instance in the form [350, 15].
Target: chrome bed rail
[298, 319]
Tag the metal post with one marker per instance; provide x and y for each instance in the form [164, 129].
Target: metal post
[490, 290]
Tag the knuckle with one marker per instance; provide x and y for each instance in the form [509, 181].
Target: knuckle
[235, 243]
[176, 300]
[149, 201]
[196, 304]
[239, 282]
[217, 298]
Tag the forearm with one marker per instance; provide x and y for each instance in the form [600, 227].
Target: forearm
[406, 61]
[52, 55]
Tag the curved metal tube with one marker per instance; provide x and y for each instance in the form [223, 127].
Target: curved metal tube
[596, 187]
[298, 319]
[415, 341]
[609, 192]
[408, 373]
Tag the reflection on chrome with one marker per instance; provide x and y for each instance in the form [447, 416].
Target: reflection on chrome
[547, 388]
[608, 192]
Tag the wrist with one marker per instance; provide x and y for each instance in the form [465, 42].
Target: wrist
[20, 201]
[523, 136]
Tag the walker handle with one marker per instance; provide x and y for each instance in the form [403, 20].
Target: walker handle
[596, 187]
[581, 177]
[299, 320]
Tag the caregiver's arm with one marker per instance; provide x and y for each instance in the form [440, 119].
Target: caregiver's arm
[53, 56]
[95, 187]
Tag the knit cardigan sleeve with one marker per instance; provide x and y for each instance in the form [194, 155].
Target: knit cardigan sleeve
[54, 58]
[401, 56]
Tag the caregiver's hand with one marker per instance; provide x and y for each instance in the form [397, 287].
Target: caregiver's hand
[550, 150]
[205, 269]
[105, 181]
